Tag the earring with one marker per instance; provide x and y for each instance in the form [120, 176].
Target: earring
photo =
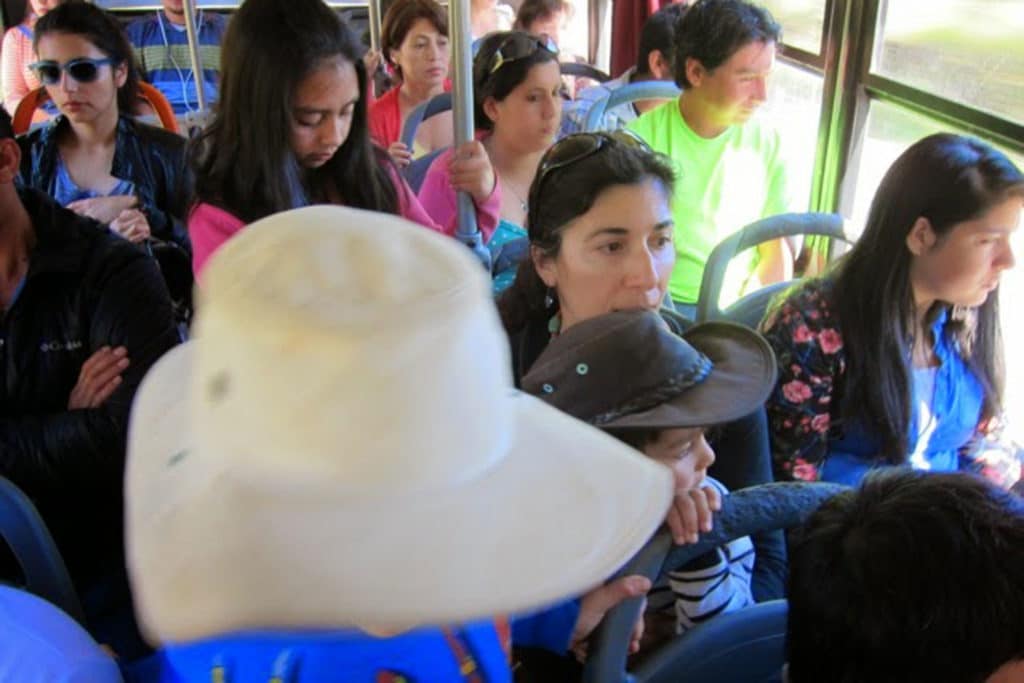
[549, 300]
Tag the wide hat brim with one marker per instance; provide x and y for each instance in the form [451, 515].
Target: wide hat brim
[213, 549]
[743, 375]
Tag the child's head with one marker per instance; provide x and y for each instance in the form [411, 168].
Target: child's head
[291, 122]
[684, 450]
[630, 375]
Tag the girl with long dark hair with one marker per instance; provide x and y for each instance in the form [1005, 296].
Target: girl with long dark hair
[290, 129]
[895, 356]
[95, 158]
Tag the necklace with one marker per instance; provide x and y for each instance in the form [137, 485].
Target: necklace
[519, 197]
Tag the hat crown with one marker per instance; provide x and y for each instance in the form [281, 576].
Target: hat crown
[311, 334]
[626, 361]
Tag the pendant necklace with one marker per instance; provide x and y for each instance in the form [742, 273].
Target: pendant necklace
[522, 202]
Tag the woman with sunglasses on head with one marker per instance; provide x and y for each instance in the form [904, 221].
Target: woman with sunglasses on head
[290, 130]
[94, 158]
[414, 40]
[517, 93]
[895, 355]
[601, 240]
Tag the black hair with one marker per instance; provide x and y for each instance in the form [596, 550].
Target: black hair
[711, 31]
[507, 78]
[556, 199]
[947, 179]
[243, 161]
[6, 128]
[913, 577]
[100, 28]
[659, 34]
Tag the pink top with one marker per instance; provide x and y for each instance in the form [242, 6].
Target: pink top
[209, 227]
[15, 56]
[438, 197]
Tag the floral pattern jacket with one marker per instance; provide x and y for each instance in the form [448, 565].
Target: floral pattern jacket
[808, 443]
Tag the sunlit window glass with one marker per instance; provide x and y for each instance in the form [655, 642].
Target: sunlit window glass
[966, 50]
[801, 22]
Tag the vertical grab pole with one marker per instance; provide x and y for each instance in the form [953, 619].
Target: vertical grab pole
[193, 52]
[467, 231]
[374, 7]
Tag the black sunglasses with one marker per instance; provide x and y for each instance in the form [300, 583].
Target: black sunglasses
[518, 46]
[579, 146]
[83, 70]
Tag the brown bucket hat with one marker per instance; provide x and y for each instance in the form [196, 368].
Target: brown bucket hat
[627, 370]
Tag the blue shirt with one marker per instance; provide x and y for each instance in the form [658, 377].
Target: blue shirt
[423, 656]
[162, 49]
[956, 404]
[65, 190]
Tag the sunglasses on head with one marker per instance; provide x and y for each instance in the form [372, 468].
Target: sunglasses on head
[83, 70]
[519, 46]
[579, 146]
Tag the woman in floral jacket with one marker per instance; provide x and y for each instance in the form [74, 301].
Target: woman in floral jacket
[895, 356]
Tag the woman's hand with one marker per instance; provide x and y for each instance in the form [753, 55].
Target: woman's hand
[400, 154]
[471, 171]
[371, 60]
[103, 209]
[598, 602]
[99, 378]
[691, 514]
[132, 225]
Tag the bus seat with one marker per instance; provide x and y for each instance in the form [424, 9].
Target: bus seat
[435, 105]
[33, 548]
[751, 308]
[627, 94]
[22, 118]
[42, 643]
[583, 70]
[745, 512]
[416, 172]
[746, 645]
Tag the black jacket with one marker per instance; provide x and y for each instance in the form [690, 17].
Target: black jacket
[85, 288]
[151, 158]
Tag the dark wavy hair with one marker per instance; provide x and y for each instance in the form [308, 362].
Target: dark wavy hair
[102, 30]
[243, 161]
[502, 82]
[556, 199]
[711, 31]
[948, 179]
[915, 577]
[531, 11]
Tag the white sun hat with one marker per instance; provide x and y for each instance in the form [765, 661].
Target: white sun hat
[341, 445]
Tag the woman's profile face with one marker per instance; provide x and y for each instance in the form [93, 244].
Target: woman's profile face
[323, 105]
[966, 265]
[82, 102]
[616, 256]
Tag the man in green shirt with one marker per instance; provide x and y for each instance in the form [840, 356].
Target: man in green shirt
[731, 172]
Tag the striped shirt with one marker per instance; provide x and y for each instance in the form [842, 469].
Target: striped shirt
[162, 49]
[714, 584]
[15, 55]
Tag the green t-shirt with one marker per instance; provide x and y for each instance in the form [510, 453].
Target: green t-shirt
[722, 185]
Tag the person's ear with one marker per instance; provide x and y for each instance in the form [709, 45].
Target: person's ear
[491, 109]
[10, 160]
[545, 267]
[921, 237]
[658, 66]
[120, 74]
[695, 71]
